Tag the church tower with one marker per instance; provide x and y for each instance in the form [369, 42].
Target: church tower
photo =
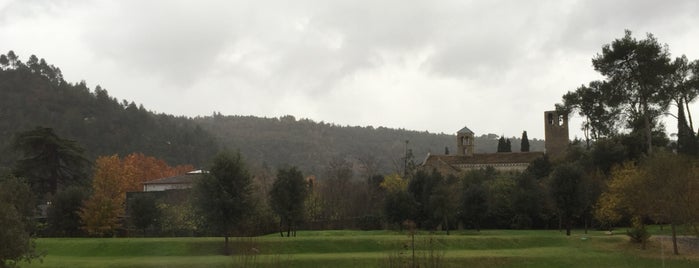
[464, 142]
[556, 134]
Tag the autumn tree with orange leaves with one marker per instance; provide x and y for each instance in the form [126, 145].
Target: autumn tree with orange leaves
[113, 177]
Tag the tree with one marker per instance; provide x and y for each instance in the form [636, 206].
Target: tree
[288, 194]
[178, 217]
[443, 200]
[525, 142]
[502, 145]
[599, 109]
[565, 190]
[49, 162]
[62, 215]
[398, 205]
[16, 219]
[143, 211]
[684, 88]
[222, 196]
[101, 211]
[4, 61]
[670, 179]
[140, 168]
[114, 177]
[13, 61]
[627, 194]
[474, 204]
[637, 72]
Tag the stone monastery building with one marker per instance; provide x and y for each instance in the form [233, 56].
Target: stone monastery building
[556, 141]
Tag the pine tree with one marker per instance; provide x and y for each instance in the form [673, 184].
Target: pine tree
[525, 142]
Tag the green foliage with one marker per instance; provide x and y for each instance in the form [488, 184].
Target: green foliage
[640, 83]
[444, 200]
[177, 219]
[222, 196]
[474, 206]
[637, 71]
[687, 142]
[62, 214]
[143, 211]
[49, 162]
[504, 145]
[565, 190]
[93, 118]
[308, 145]
[638, 232]
[288, 194]
[399, 206]
[16, 219]
[599, 109]
[524, 147]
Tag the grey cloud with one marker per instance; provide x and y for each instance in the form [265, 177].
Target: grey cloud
[590, 23]
[176, 42]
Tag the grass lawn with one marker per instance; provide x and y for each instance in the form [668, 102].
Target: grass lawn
[489, 248]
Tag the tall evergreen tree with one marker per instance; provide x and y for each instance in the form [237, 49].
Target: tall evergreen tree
[502, 145]
[525, 142]
[637, 72]
[49, 162]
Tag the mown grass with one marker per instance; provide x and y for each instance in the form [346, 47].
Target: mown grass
[489, 248]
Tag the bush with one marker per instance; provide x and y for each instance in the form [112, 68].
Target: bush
[638, 233]
[369, 222]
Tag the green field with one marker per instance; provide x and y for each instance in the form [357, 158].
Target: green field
[499, 248]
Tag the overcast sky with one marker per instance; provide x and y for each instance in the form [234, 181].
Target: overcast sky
[493, 66]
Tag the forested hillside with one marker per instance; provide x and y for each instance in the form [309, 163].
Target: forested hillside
[313, 145]
[35, 94]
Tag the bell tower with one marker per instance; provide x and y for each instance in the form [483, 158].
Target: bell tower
[464, 142]
[556, 134]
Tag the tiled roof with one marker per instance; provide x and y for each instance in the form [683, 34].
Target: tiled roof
[492, 158]
[179, 179]
[465, 130]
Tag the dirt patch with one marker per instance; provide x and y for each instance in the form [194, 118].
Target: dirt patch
[688, 246]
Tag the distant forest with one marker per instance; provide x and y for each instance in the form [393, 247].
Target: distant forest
[35, 94]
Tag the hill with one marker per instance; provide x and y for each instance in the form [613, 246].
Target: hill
[313, 145]
[35, 94]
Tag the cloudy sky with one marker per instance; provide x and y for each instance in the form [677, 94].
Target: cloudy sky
[493, 66]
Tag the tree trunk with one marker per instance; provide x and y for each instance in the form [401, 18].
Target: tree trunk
[585, 221]
[568, 226]
[674, 239]
[689, 115]
[281, 228]
[560, 223]
[648, 131]
[446, 222]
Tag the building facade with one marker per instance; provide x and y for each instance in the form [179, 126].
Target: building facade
[556, 142]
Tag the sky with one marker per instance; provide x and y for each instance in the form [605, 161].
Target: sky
[437, 66]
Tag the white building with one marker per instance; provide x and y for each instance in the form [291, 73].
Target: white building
[185, 181]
